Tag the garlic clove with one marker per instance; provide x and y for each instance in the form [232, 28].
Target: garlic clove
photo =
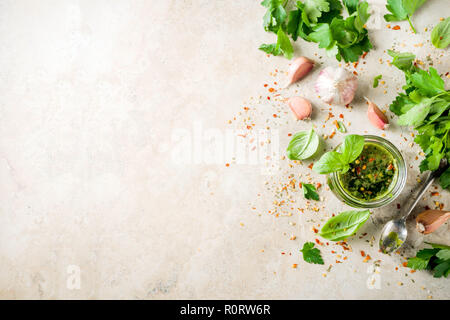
[301, 107]
[336, 86]
[429, 220]
[299, 68]
[376, 116]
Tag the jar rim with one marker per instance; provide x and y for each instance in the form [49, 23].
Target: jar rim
[387, 198]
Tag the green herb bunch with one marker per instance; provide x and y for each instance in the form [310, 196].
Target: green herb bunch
[437, 260]
[318, 21]
[425, 104]
[402, 10]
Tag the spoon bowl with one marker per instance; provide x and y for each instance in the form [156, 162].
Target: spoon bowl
[393, 235]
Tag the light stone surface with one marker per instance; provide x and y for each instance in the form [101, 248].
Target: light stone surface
[94, 181]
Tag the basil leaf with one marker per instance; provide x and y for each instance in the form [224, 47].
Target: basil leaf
[309, 192]
[303, 145]
[440, 36]
[352, 147]
[329, 162]
[344, 225]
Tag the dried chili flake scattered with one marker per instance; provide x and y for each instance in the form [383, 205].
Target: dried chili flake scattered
[397, 27]
[363, 254]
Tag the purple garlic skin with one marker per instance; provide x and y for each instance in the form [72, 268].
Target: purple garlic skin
[336, 86]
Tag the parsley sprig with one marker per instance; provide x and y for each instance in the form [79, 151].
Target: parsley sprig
[318, 21]
[402, 10]
[425, 104]
[437, 260]
[311, 254]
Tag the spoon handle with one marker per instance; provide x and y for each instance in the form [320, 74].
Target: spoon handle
[430, 179]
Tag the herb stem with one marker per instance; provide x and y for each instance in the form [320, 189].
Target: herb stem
[410, 23]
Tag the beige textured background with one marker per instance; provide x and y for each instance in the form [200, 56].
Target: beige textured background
[91, 93]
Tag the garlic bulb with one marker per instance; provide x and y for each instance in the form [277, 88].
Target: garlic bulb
[336, 86]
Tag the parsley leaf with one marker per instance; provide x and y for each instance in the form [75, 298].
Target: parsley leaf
[283, 46]
[311, 254]
[309, 192]
[440, 36]
[425, 104]
[437, 260]
[402, 10]
[275, 15]
[320, 21]
[351, 5]
[444, 180]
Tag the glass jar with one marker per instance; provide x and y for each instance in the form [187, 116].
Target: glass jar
[395, 188]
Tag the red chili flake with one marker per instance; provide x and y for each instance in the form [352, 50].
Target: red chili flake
[355, 64]
[433, 194]
[311, 165]
[227, 164]
[315, 230]
[337, 261]
[249, 127]
[268, 98]
[318, 185]
[246, 108]
[265, 85]
[283, 253]
[363, 254]
[390, 166]
[405, 264]
[271, 89]
[355, 73]
[364, 55]
[300, 185]
[396, 268]
[398, 206]
[397, 27]
[289, 134]
[341, 116]
[275, 83]
[371, 159]
[274, 115]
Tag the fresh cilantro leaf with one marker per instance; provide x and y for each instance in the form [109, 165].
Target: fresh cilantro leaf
[416, 115]
[351, 5]
[429, 84]
[411, 6]
[440, 36]
[284, 44]
[309, 192]
[398, 12]
[311, 254]
[275, 15]
[296, 27]
[270, 49]
[322, 35]
[403, 61]
[313, 10]
[443, 254]
[442, 269]
[375, 80]
[444, 180]
[417, 263]
[402, 10]
[361, 16]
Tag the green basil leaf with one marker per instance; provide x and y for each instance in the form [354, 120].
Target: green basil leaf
[344, 225]
[303, 145]
[375, 80]
[329, 162]
[352, 147]
[440, 36]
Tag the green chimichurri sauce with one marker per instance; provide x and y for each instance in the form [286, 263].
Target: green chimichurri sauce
[371, 175]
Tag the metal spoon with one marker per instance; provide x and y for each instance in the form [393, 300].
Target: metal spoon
[394, 232]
